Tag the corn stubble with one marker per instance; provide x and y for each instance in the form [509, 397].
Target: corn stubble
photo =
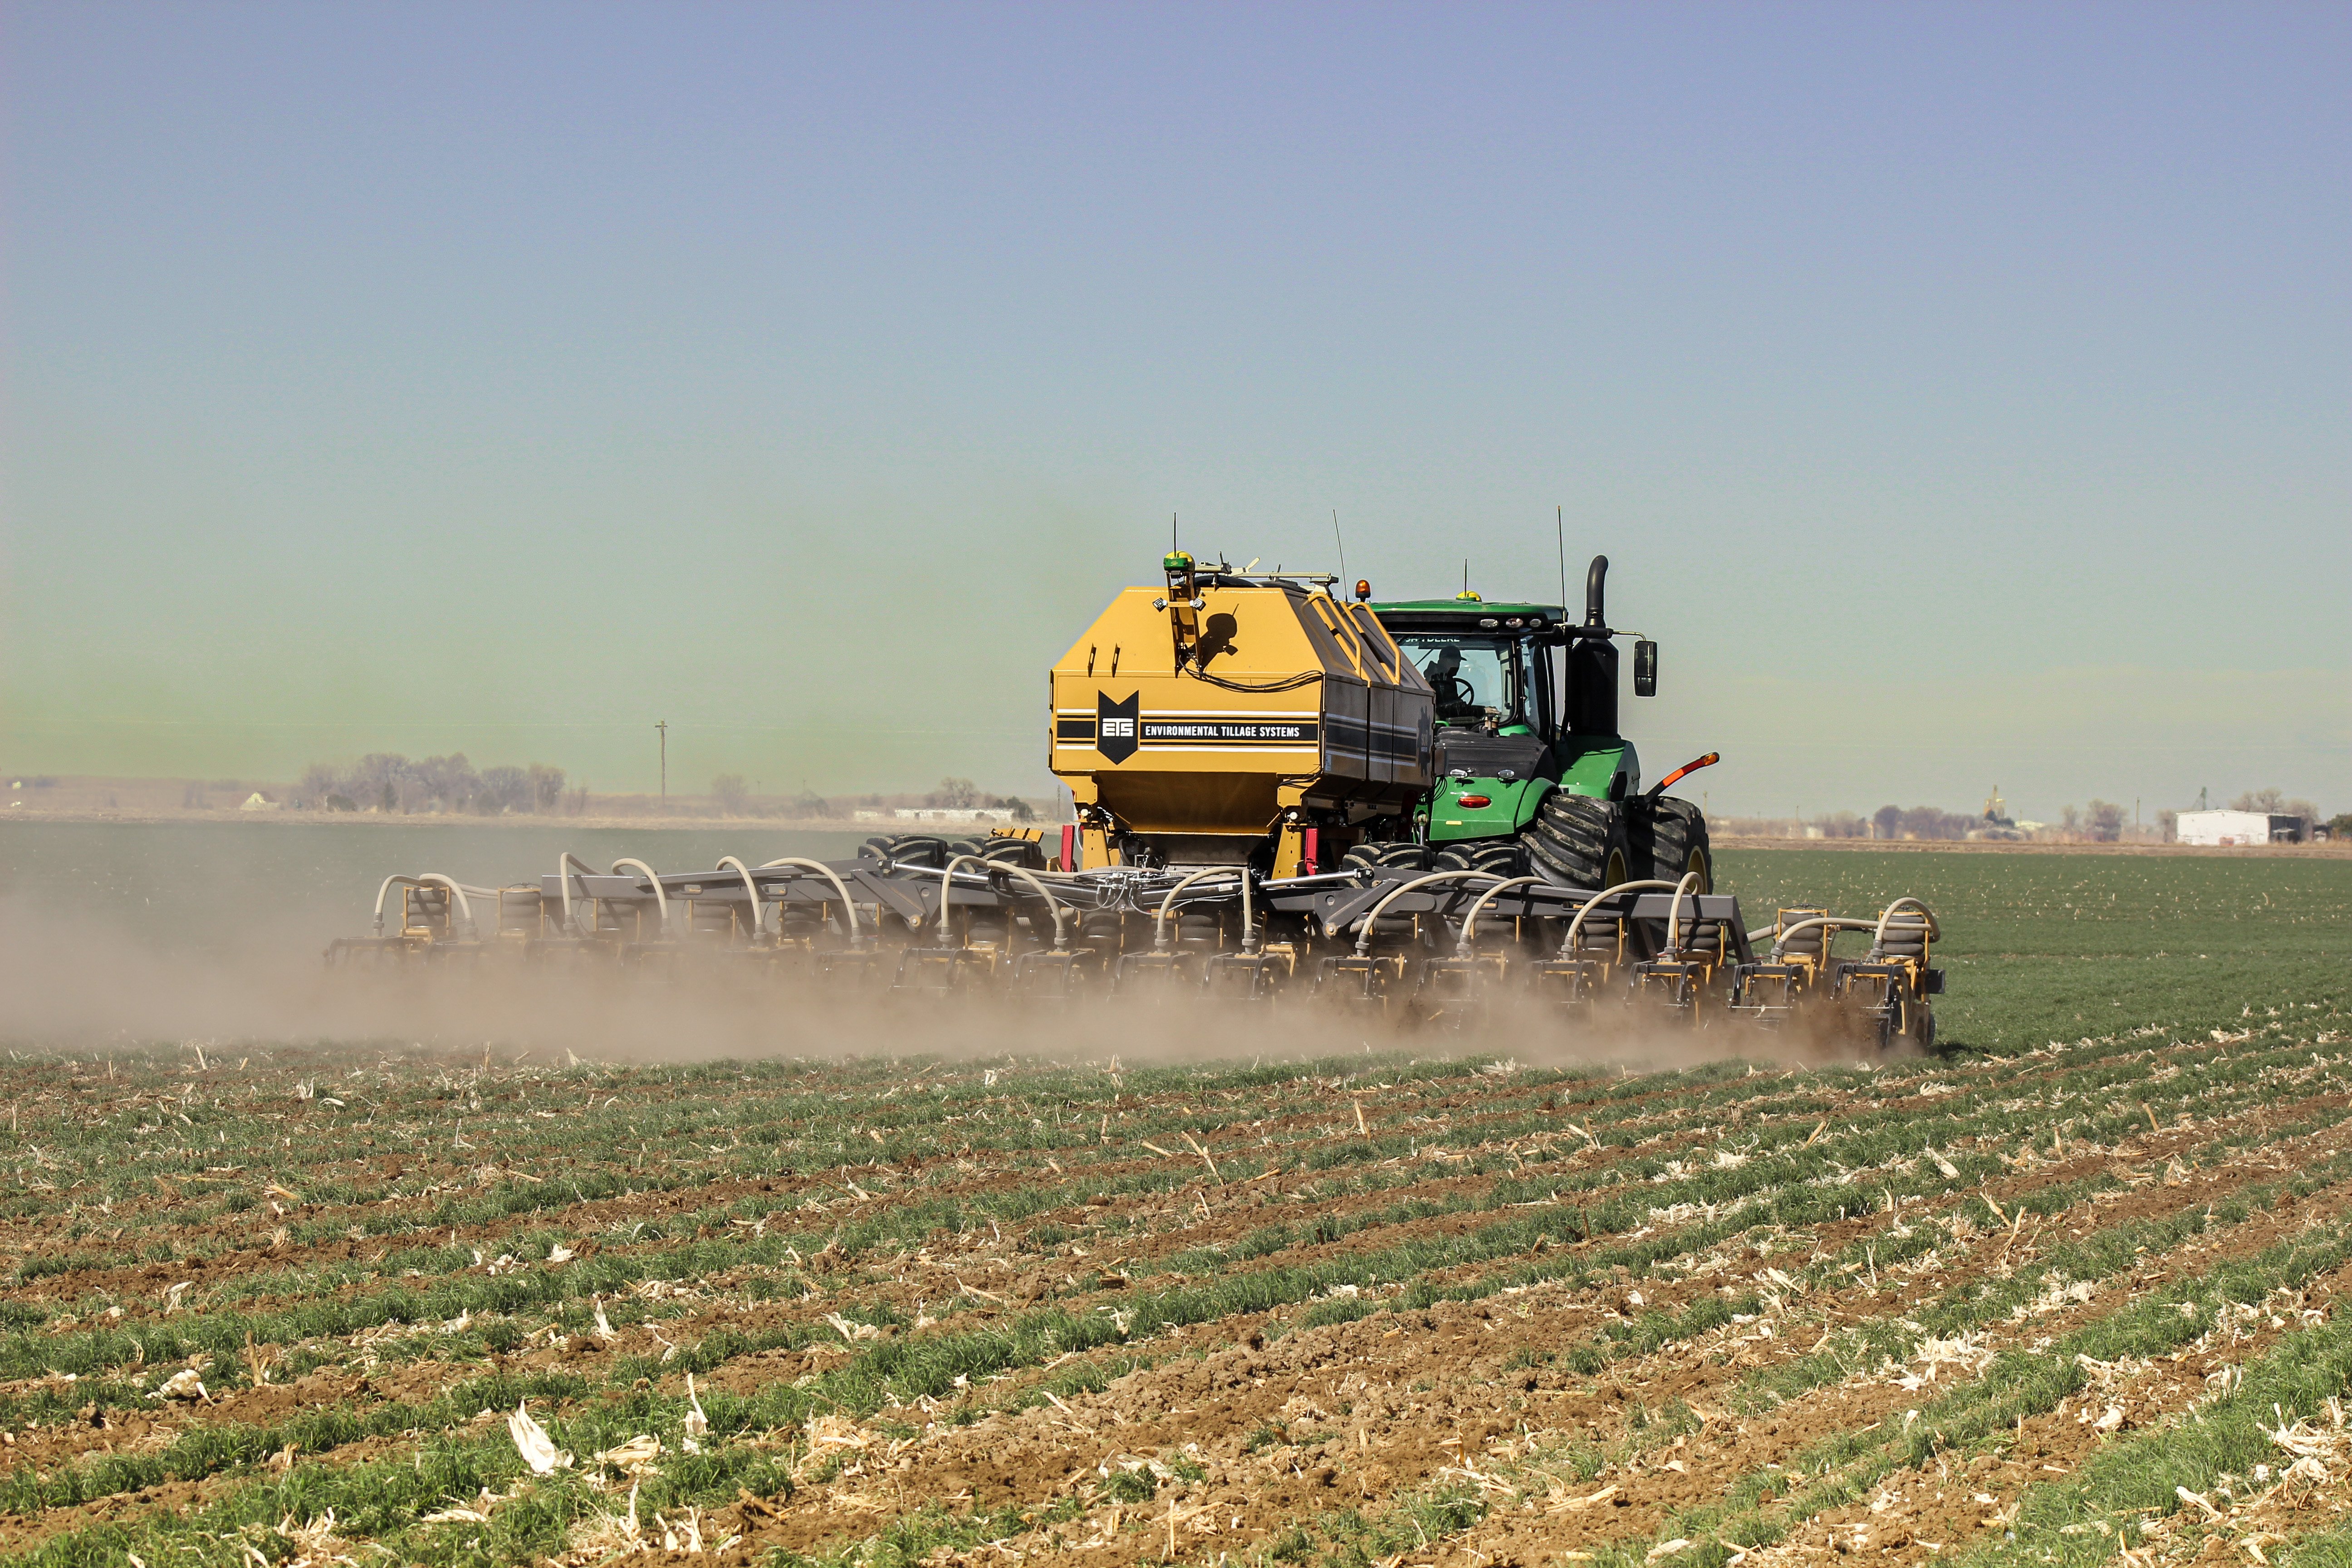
[2068, 1291]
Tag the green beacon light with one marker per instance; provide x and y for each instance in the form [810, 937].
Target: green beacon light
[1176, 561]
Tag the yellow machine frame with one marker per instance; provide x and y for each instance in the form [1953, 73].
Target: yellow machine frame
[1204, 717]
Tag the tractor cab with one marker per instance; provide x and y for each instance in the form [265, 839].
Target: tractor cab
[1495, 682]
[1526, 706]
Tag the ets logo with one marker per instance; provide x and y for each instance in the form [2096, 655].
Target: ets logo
[1115, 726]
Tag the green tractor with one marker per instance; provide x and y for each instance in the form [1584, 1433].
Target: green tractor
[1534, 778]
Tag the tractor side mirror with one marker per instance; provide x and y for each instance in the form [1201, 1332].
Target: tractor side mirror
[1645, 669]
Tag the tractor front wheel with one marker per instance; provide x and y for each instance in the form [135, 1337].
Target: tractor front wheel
[1579, 841]
[1669, 835]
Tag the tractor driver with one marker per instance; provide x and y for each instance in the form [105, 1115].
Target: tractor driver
[1456, 700]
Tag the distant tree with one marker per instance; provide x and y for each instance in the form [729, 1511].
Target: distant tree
[377, 779]
[1020, 809]
[377, 775]
[2168, 822]
[386, 781]
[1894, 822]
[2339, 827]
[449, 782]
[730, 790]
[2071, 820]
[954, 794]
[2106, 821]
[335, 800]
[808, 804]
[1934, 822]
[1841, 824]
[319, 782]
[2274, 803]
[501, 790]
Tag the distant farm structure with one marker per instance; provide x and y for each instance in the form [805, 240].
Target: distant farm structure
[2242, 827]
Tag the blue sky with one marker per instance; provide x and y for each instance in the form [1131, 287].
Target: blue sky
[1960, 392]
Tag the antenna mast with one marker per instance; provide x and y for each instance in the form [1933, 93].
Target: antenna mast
[1559, 525]
[1340, 542]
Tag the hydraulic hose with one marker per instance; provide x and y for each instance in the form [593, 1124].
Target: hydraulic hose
[1878, 937]
[759, 916]
[1568, 942]
[1061, 941]
[819, 866]
[1835, 924]
[563, 862]
[1160, 920]
[389, 883]
[464, 906]
[947, 881]
[1674, 917]
[1364, 932]
[947, 874]
[661, 900]
[428, 880]
[1675, 910]
[1462, 948]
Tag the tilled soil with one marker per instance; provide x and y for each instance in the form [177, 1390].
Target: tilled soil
[1373, 1312]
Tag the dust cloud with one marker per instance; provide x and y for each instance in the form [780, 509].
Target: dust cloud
[73, 981]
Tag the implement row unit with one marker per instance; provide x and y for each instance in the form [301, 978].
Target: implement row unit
[912, 921]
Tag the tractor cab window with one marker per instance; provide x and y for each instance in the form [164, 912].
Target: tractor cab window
[1477, 679]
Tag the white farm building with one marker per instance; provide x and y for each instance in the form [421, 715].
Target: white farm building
[2239, 828]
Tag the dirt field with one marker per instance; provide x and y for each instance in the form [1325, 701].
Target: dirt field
[288, 1306]
[2068, 1291]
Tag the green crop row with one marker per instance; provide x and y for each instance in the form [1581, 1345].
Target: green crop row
[898, 1371]
[2015, 1384]
[2144, 1474]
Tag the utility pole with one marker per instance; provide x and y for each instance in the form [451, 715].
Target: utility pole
[664, 728]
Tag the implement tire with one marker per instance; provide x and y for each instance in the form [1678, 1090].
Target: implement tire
[1408, 856]
[919, 849]
[1669, 834]
[1496, 856]
[1579, 842]
[1023, 852]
